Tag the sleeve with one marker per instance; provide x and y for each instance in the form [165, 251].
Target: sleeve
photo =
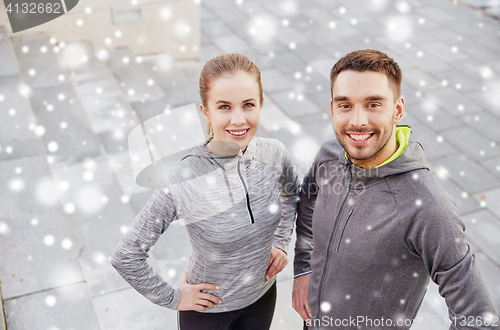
[289, 192]
[438, 236]
[304, 243]
[130, 256]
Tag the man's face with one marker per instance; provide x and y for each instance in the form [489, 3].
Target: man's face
[365, 112]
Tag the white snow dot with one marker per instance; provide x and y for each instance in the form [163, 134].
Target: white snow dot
[108, 41]
[292, 45]
[415, 274]
[342, 10]
[483, 204]
[462, 173]
[150, 82]
[98, 90]
[79, 22]
[407, 45]
[25, 49]
[4, 228]
[39, 130]
[126, 60]
[421, 20]
[48, 240]
[273, 208]
[32, 72]
[50, 301]
[16, 184]
[104, 199]
[297, 75]
[454, 49]
[418, 202]
[69, 208]
[52, 41]
[61, 97]
[88, 176]
[34, 222]
[270, 54]
[420, 53]
[300, 97]
[52, 146]
[473, 221]
[171, 273]
[118, 34]
[430, 118]
[458, 86]
[61, 77]
[99, 258]
[369, 227]
[464, 194]
[138, 59]
[348, 241]
[402, 301]
[2, 97]
[325, 307]
[9, 149]
[442, 173]
[49, 107]
[124, 229]
[211, 179]
[439, 139]
[444, 83]
[18, 170]
[182, 48]
[130, 92]
[63, 185]
[460, 107]
[285, 22]
[66, 244]
[63, 125]
[354, 21]
[481, 152]
[332, 25]
[125, 199]
[347, 296]
[88, 10]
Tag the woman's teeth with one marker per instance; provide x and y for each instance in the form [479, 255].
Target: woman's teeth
[238, 132]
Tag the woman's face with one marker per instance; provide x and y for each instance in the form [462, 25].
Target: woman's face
[233, 108]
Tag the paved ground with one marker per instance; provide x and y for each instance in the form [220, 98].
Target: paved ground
[67, 190]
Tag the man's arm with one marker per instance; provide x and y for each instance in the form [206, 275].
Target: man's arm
[304, 245]
[438, 236]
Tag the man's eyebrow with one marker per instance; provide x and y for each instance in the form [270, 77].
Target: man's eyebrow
[375, 98]
[340, 98]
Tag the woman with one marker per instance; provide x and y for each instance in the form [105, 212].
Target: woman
[238, 207]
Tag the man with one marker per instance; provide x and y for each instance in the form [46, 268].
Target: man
[380, 224]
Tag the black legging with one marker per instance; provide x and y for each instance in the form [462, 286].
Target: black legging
[257, 316]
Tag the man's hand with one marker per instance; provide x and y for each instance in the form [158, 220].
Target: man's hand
[193, 299]
[299, 296]
[277, 262]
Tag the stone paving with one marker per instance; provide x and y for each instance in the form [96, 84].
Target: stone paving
[67, 188]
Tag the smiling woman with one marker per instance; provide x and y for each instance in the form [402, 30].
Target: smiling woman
[237, 195]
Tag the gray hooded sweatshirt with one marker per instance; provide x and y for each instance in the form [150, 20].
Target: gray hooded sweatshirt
[235, 209]
[378, 235]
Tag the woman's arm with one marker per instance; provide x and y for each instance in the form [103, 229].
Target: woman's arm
[130, 256]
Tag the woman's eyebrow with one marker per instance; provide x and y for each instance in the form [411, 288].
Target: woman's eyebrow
[222, 101]
[248, 100]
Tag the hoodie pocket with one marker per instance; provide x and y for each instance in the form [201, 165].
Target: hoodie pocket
[343, 229]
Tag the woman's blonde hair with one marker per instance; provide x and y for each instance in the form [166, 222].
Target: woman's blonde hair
[229, 63]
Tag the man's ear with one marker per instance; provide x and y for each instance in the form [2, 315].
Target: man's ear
[400, 109]
[205, 113]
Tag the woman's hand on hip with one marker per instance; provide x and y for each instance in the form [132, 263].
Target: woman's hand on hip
[277, 262]
[193, 299]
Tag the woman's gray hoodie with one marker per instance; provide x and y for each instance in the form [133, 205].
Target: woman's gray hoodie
[235, 209]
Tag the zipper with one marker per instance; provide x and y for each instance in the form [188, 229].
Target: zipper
[332, 235]
[246, 191]
[343, 229]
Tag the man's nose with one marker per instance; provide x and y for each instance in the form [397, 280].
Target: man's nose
[359, 117]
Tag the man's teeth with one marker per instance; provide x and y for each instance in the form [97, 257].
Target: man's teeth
[359, 137]
[238, 132]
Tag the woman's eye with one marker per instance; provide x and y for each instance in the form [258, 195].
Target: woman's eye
[224, 107]
[248, 105]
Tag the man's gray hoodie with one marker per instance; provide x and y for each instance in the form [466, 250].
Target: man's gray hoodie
[378, 235]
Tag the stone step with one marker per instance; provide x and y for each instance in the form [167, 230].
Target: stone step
[9, 65]
[106, 106]
[133, 77]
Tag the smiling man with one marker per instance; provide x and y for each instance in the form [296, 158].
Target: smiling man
[373, 225]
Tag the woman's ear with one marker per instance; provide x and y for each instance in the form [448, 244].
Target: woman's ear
[205, 112]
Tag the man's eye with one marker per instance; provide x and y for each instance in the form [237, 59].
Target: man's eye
[373, 105]
[344, 106]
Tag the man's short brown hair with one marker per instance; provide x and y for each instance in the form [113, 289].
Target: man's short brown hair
[369, 60]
